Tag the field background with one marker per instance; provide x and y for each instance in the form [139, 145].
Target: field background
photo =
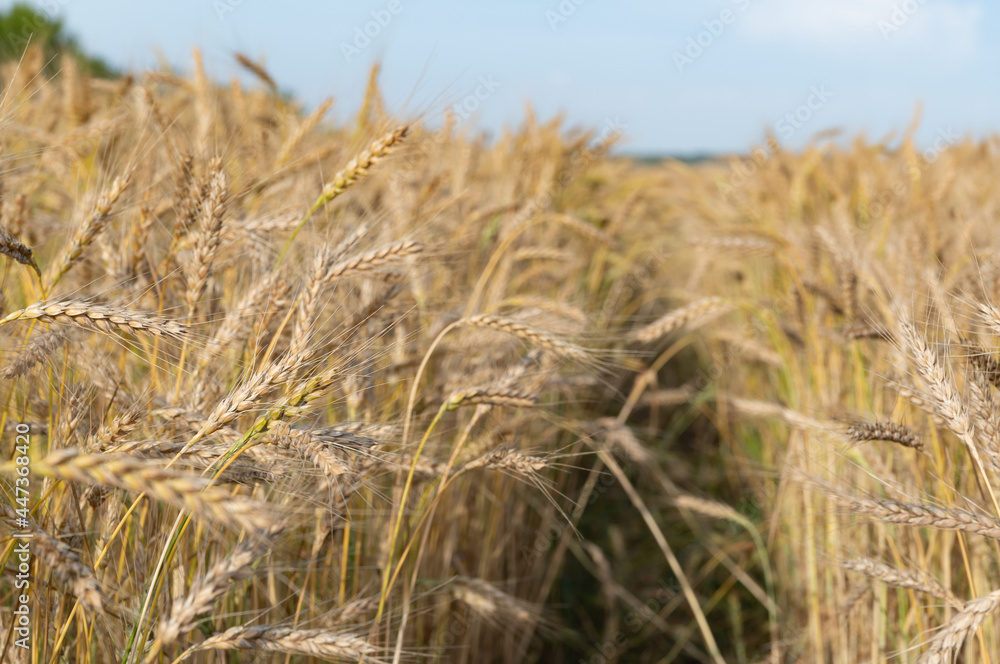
[305, 391]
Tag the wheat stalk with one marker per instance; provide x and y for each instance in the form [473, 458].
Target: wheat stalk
[370, 261]
[100, 318]
[529, 334]
[257, 70]
[491, 603]
[888, 431]
[62, 561]
[942, 518]
[899, 578]
[206, 590]
[700, 311]
[91, 227]
[182, 491]
[492, 396]
[210, 233]
[37, 351]
[946, 644]
[309, 642]
[355, 170]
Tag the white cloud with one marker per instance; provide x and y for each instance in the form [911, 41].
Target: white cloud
[853, 26]
[949, 28]
[809, 21]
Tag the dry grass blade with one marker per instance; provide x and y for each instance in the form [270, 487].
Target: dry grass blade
[542, 254]
[676, 396]
[763, 409]
[746, 245]
[711, 508]
[863, 330]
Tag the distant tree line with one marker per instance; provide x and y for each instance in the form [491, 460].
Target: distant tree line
[23, 25]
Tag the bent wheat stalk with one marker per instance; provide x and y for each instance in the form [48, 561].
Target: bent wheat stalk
[100, 318]
[701, 310]
[527, 333]
[185, 492]
[309, 642]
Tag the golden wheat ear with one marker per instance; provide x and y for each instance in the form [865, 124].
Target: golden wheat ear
[323, 643]
[99, 318]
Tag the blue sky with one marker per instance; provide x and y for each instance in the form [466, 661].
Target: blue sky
[796, 67]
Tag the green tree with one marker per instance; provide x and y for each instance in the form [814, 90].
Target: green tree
[23, 25]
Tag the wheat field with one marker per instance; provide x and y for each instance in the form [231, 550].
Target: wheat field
[288, 389]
